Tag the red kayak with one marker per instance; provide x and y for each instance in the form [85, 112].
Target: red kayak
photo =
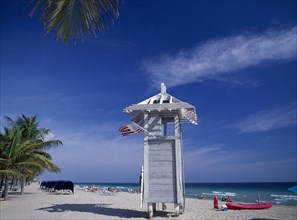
[239, 206]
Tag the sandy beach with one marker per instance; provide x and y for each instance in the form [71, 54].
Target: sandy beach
[38, 204]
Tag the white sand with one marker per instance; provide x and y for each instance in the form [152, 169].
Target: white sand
[37, 204]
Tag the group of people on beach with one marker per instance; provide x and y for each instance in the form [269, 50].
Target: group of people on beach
[200, 196]
[133, 191]
[108, 190]
[105, 190]
[92, 189]
[224, 198]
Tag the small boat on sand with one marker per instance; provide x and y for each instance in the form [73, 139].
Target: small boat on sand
[253, 206]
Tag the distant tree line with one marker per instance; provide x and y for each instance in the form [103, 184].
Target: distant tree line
[23, 153]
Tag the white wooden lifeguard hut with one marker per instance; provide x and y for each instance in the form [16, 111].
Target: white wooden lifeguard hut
[161, 117]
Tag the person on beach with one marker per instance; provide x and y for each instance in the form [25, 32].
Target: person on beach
[226, 199]
[200, 196]
[140, 178]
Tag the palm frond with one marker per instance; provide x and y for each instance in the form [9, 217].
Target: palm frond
[3, 161]
[9, 173]
[28, 164]
[46, 162]
[42, 133]
[51, 143]
[77, 18]
[10, 121]
[43, 153]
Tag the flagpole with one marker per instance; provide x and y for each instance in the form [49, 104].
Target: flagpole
[143, 129]
[141, 187]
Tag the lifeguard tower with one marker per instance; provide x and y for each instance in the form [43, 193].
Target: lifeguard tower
[161, 117]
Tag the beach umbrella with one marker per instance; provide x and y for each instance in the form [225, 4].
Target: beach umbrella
[293, 189]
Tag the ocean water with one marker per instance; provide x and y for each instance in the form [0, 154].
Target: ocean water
[277, 193]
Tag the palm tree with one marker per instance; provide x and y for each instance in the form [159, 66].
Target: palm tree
[29, 127]
[22, 151]
[34, 160]
[9, 141]
[76, 18]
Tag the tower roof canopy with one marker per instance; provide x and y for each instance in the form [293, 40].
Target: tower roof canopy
[163, 102]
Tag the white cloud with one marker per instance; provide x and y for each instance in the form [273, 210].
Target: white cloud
[269, 120]
[208, 149]
[216, 59]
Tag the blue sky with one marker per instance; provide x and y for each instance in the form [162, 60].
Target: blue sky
[235, 61]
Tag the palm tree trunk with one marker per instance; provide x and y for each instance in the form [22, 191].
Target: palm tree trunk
[15, 184]
[12, 183]
[5, 191]
[23, 181]
[1, 183]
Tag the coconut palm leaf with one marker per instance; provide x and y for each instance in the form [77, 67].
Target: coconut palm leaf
[9, 173]
[9, 121]
[50, 144]
[43, 153]
[3, 161]
[46, 162]
[29, 165]
[77, 18]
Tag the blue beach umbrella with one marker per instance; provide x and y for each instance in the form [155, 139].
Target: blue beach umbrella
[293, 189]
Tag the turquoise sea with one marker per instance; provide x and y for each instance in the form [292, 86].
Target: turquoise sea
[277, 193]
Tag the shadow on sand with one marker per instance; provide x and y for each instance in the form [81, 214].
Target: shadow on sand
[102, 209]
[14, 194]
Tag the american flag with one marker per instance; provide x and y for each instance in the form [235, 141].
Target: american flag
[130, 129]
